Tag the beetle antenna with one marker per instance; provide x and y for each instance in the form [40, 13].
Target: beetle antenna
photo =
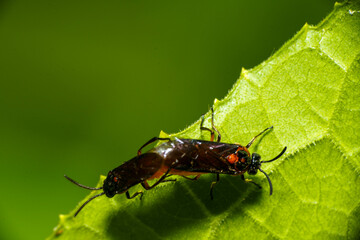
[80, 185]
[268, 178]
[97, 195]
[270, 184]
[282, 152]
[252, 140]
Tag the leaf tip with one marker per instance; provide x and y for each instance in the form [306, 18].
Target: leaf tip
[244, 73]
[339, 4]
[62, 217]
[163, 134]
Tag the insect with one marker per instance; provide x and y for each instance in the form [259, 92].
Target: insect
[183, 157]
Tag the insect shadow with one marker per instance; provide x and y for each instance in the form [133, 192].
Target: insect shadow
[183, 205]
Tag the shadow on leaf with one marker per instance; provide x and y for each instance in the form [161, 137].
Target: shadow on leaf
[177, 208]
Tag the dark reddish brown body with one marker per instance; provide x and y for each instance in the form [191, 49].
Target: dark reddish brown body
[184, 157]
[195, 157]
[181, 157]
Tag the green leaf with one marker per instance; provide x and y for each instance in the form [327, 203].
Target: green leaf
[309, 91]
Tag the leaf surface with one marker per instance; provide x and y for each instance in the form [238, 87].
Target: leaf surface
[309, 91]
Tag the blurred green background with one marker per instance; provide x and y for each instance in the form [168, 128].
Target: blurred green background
[83, 84]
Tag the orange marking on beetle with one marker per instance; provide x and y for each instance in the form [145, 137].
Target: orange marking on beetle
[185, 173]
[115, 179]
[232, 158]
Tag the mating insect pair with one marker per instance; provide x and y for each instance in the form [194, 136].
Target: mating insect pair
[183, 157]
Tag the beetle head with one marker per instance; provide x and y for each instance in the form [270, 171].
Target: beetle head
[110, 185]
[115, 184]
[255, 164]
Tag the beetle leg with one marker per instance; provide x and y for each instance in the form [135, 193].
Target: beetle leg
[146, 185]
[151, 141]
[207, 129]
[250, 181]
[169, 180]
[213, 184]
[134, 195]
[212, 126]
[252, 140]
[192, 179]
